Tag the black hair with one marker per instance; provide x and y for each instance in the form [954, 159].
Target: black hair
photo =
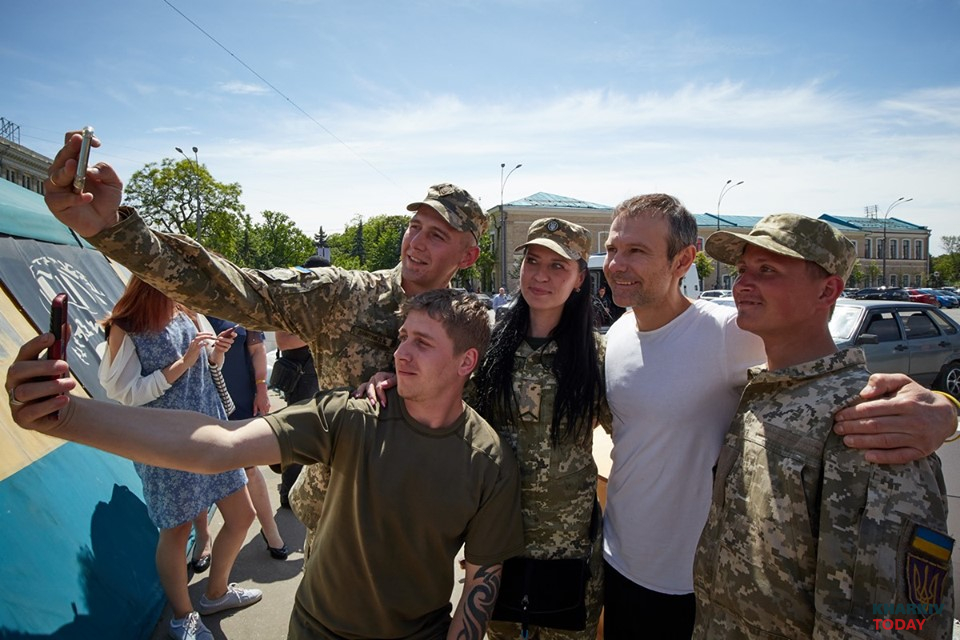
[315, 261]
[580, 385]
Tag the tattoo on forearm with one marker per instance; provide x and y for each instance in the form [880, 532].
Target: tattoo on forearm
[478, 602]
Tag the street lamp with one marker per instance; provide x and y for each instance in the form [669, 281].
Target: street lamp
[893, 204]
[723, 191]
[503, 225]
[196, 186]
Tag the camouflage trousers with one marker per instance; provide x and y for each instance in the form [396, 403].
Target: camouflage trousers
[306, 500]
[594, 598]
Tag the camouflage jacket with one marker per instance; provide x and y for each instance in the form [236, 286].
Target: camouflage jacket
[558, 484]
[805, 539]
[348, 318]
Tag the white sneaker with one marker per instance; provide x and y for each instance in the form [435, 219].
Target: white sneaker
[189, 627]
[234, 598]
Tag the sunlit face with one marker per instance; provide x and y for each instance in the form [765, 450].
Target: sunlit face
[776, 293]
[636, 267]
[425, 359]
[547, 279]
[432, 251]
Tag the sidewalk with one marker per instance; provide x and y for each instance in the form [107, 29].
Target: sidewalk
[266, 620]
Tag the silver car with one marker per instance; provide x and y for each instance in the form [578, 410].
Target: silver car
[902, 337]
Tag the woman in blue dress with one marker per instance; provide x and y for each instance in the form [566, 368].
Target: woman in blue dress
[157, 357]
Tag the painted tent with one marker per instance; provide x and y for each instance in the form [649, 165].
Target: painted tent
[77, 545]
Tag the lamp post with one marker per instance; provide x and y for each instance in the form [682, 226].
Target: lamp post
[886, 248]
[196, 186]
[503, 225]
[723, 191]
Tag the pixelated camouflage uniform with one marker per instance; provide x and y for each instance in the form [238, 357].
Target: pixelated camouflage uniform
[347, 318]
[558, 485]
[804, 536]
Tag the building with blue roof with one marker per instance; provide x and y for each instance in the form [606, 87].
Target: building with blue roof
[893, 252]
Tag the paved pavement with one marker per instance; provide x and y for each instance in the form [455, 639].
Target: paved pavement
[266, 620]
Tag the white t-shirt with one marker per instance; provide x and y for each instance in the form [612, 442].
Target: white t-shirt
[673, 392]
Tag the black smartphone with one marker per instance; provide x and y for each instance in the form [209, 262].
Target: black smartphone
[59, 327]
[80, 179]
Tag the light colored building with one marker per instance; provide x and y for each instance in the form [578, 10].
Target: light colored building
[892, 251]
[518, 215]
[18, 164]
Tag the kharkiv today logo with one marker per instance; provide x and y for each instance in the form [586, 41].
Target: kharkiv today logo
[926, 570]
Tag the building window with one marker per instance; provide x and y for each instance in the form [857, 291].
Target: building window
[893, 280]
[906, 249]
[916, 280]
[893, 249]
[918, 253]
[867, 246]
[881, 250]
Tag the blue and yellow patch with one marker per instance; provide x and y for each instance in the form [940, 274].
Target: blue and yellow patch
[927, 566]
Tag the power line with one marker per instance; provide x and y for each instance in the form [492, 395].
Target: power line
[280, 93]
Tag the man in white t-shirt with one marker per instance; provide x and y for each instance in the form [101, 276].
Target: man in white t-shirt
[674, 370]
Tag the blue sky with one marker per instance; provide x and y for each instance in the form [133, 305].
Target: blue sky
[822, 106]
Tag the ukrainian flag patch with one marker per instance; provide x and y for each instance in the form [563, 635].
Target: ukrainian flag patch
[927, 566]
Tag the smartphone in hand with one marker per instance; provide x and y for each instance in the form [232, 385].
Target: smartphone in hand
[80, 179]
[59, 327]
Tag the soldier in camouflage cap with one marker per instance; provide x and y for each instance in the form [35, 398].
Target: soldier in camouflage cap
[805, 538]
[541, 387]
[348, 318]
[791, 235]
[456, 206]
[565, 238]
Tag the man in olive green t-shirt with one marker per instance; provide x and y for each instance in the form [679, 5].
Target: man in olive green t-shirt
[411, 483]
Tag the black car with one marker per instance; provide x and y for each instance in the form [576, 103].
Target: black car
[882, 293]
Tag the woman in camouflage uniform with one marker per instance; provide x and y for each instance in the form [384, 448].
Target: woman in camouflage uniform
[541, 386]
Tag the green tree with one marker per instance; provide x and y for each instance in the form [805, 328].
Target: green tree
[873, 272]
[377, 239]
[856, 276]
[949, 264]
[275, 242]
[704, 266]
[170, 195]
[320, 239]
[359, 251]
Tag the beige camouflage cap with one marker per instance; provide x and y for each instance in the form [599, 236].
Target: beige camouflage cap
[791, 235]
[456, 206]
[566, 238]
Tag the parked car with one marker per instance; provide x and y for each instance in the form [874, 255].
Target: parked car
[716, 293]
[502, 309]
[945, 299]
[485, 299]
[882, 293]
[902, 337]
[924, 298]
[727, 301]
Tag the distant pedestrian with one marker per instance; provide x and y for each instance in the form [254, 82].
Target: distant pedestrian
[500, 299]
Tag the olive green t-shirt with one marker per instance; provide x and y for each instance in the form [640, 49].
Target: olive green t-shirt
[403, 498]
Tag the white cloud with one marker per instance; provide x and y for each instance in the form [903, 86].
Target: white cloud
[243, 88]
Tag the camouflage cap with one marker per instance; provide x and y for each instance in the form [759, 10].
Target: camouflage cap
[456, 206]
[566, 238]
[790, 235]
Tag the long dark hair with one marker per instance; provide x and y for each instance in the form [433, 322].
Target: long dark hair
[576, 366]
